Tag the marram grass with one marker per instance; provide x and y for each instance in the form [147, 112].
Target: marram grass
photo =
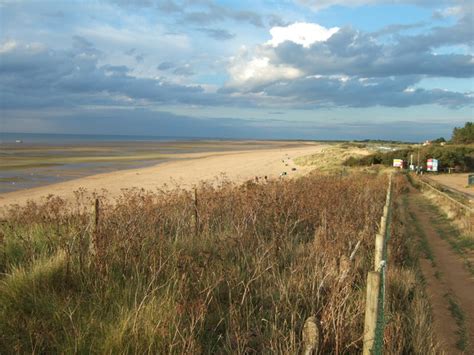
[237, 272]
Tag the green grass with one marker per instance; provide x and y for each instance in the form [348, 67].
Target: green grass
[405, 287]
[460, 319]
[462, 244]
[422, 241]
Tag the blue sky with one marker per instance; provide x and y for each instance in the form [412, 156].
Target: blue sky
[309, 69]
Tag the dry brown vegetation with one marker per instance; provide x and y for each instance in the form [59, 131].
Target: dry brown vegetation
[331, 158]
[236, 270]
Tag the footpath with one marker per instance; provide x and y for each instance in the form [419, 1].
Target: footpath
[449, 283]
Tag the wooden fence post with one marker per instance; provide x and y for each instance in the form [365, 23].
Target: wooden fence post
[310, 336]
[383, 225]
[371, 310]
[379, 245]
[374, 278]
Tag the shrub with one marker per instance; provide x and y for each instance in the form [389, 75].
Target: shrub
[460, 157]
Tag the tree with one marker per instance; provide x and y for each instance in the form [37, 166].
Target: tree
[439, 140]
[464, 135]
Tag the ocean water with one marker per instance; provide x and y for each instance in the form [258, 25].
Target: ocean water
[30, 160]
[61, 139]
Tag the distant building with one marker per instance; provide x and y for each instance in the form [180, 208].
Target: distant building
[398, 163]
[432, 165]
[426, 143]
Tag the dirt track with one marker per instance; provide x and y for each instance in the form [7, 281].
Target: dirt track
[446, 278]
[455, 181]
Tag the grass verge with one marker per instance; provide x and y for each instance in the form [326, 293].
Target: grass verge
[460, 318]
[462, 244]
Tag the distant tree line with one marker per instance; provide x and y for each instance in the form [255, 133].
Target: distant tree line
[464, 135]
[461, 135]
[457, 153]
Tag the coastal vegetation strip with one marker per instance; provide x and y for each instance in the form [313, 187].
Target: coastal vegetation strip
[231, 269]
[331, 158]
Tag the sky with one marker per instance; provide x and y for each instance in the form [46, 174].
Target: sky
[291, 69]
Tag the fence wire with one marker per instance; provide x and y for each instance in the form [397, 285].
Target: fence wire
[379, 330]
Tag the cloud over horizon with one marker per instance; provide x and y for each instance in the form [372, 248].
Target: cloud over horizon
[210, 56]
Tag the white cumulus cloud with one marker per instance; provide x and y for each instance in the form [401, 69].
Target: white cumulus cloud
[302, 33]
[259, 70]
[251, 68]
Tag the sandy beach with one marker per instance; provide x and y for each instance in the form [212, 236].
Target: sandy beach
[455, 181]
[237, 166]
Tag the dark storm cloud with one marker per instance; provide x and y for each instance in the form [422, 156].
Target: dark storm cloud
[351, 52]
[350, 69]
[396, 92]
[354, 69]
[461, 33]
[318, 92]
[46, 78]
[42, 77]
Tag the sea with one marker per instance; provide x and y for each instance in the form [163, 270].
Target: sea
[62, 138]
[30, 160]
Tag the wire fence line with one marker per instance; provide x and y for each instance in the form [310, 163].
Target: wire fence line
[462, 212]
[457, 203]
[375, 301]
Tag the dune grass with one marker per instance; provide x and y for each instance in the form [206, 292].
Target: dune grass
[230, 269]
[330, 159]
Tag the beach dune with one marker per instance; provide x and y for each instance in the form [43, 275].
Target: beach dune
[236, 166]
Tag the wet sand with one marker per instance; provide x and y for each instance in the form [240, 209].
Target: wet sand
[33, 164]
[192, 168]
